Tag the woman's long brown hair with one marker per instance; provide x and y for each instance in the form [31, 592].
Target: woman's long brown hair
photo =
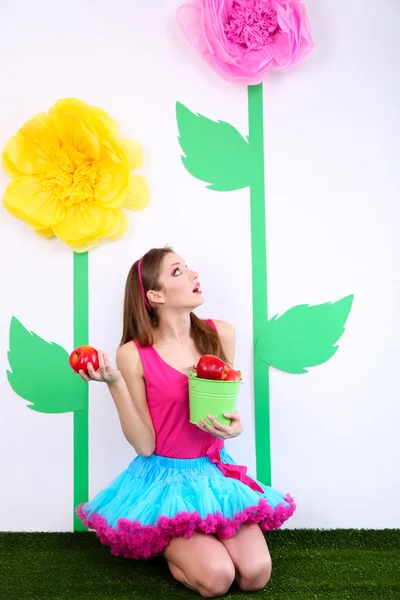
[140, 324]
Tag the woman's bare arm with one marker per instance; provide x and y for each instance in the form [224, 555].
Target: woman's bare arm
[227, 336]
[129, 395]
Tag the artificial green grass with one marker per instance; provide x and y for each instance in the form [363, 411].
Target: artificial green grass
[307, 565]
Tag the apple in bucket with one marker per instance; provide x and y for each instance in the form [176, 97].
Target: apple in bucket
[212, 367]
[80, 357]
[213, 390]
[233, 375]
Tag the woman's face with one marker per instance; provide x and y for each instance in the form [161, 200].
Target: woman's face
[180, 287]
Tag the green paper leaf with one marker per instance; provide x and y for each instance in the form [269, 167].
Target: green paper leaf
[215, 151]
[304, 336]
[40, 373]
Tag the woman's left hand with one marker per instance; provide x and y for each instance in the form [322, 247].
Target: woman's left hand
[224, 432]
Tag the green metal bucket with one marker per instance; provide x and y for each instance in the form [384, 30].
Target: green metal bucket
[211, 397]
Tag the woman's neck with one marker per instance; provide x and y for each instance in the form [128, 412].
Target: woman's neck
[174, 329]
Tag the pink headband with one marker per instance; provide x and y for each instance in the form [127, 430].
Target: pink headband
[139, 268]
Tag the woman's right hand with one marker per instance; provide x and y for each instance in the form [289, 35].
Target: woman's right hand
[105, 373]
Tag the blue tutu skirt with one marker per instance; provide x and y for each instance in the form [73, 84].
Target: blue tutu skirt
[157, 499]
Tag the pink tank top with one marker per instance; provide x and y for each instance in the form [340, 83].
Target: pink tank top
[167, 392]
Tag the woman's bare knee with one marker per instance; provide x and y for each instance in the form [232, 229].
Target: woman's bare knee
[215, 579]
[255, 576]
[179, 575]
[201, 563]
[250, 556]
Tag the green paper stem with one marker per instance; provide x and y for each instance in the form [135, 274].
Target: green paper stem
[259, 277]
[81, 417]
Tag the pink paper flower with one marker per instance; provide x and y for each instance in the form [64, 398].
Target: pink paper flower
[243, 39]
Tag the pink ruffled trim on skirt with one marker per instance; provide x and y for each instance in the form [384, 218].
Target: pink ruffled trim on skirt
[132, 540]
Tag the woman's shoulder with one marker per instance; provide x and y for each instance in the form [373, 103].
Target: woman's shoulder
[226, 333]
[224, 328]
[128, 356]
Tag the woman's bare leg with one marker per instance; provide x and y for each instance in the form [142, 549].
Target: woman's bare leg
[201, 563]
[250, 555]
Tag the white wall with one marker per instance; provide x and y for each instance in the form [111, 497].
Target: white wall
[331, 129]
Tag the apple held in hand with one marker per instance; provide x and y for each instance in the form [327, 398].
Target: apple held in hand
[80, 357]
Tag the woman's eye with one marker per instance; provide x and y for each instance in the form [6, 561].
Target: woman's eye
[177, 270]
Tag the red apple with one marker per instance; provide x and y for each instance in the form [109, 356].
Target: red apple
[211, 367]
[233, 375]
[80, 357]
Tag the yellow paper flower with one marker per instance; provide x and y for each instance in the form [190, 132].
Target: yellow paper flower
[71, 175]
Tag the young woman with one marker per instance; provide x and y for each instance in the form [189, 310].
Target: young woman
[183, 496]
